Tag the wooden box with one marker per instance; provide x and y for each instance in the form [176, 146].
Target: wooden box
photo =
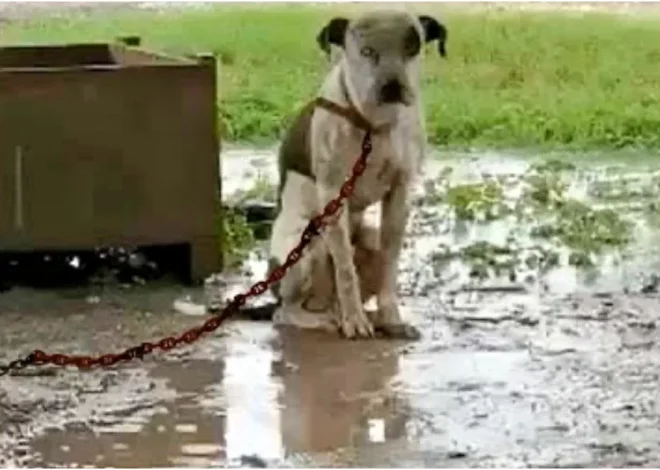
[109, 145]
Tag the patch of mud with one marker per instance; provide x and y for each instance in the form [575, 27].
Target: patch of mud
[555, 365]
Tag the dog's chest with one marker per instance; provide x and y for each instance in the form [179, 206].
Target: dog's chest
[384, 165]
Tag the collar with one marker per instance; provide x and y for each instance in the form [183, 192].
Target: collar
[350, 112]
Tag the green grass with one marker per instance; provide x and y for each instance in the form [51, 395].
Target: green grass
[549, 79]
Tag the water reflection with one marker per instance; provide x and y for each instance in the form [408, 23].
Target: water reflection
[336, 396]
[253, 416]
[266, 396]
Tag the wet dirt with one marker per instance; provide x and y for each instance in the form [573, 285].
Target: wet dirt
[525, 367]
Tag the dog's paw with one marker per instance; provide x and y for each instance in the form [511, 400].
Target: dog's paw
[388, 312]
[401, 331]
[356, 326]
[389, 323]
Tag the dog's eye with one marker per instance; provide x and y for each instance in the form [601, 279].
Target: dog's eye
[369, 52]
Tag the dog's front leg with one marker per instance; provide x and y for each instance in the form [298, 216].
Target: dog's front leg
[353, 321]
[394, 218]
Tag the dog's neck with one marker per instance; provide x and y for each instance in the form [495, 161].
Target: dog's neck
[338, 89]
[368, 110]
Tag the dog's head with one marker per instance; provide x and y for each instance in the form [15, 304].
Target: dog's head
[381, 53]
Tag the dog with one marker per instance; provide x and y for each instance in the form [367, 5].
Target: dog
[373, 85]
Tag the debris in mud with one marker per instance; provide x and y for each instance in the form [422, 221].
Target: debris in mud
[480, 201]
[456, 454]
[253, 461]
[220, 289]
[486, 260]
[42, 372]
[484, 315]
[540, 224]
[627, 188]
[186, 306]
[651, 287]
[507, 288]
[585, 231]
[115, 265]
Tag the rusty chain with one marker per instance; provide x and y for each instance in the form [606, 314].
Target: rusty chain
[314, 227]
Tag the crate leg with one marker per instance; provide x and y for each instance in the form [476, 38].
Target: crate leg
[205, 259]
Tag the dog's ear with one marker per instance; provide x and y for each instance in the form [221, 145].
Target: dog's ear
[332, 33]
[434, 30]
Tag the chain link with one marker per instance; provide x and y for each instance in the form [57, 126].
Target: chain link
[313, 229]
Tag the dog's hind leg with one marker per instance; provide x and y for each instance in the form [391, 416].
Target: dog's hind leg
[320, 289]
[306, 291]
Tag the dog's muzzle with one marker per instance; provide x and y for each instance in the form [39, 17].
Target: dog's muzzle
[391, 92]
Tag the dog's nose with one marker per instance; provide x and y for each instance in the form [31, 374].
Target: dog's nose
[391, 92]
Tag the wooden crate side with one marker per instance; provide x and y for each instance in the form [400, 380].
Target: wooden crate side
[143, 139]
[51, 56]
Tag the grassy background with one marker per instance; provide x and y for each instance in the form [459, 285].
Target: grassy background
[513, 79]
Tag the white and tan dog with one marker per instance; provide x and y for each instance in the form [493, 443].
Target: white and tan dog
[374, 84]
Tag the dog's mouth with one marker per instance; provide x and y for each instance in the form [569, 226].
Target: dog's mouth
[400, 102]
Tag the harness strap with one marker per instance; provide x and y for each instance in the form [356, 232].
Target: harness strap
[351, 114]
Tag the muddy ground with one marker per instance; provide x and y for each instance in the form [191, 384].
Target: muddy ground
[553, 362]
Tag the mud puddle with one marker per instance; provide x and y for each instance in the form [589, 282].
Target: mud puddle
[533, 281]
